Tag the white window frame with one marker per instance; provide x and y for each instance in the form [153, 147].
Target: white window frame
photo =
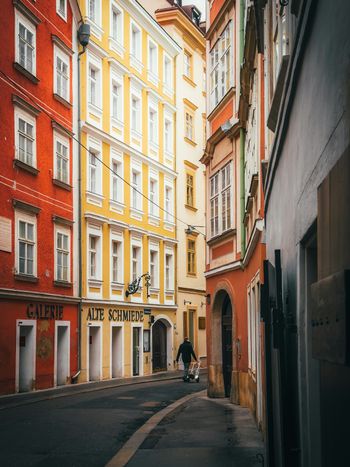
[218, 66]
[119, 38]
[135, 243]
[120, 267]
[138, 116]
[168, 84]
[32, 29]
[63, 231]
[169, 253]
[119, 117]
[62, 14]
[136, 50]
[32, 219]
[153, 136]
[188, 58]
[169, 202]
[58, 53]
[29, 119]
[117, 158]
[94, 63]
[218, 195]
[96, 149]
[152, 67]
[97, 19]
[136, 198]
[154, 247]
[96, 233]
[153, 209]
[189, 125]
[64, 141]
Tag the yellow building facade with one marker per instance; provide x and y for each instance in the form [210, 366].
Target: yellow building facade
[128, 185]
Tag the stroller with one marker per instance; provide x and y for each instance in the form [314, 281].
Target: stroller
[193, 372]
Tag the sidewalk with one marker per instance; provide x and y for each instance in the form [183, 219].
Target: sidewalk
[15, 400]
[205, 432]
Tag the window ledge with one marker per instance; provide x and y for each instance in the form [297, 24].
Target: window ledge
[95, 282]
[117, 285]
[28, 168]
[26, 73]
[167, 90]
[189, 81]
[153, 78]
[191, 274]
[93, 108]
[62, 100]
[116, 46]
[65, 284]
[169, 291]
[116, 122]
[61, 184]
[190, 141]
[26, 278]
[221, 236]
[192, 208]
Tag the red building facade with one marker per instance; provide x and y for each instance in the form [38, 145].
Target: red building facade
[235, 253]
[38, 286]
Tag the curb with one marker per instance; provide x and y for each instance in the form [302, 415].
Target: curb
[127, 451]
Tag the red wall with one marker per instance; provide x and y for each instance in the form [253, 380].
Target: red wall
[45, 345]
[16, 183]
[215, 9]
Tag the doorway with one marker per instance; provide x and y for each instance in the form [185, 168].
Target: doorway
[136, 351]
[116, 351]
[62, 353]
[159, 346]
[227, 345]
[94, 347]
[26, 331]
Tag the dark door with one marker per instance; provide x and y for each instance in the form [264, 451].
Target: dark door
[227, 344]
[159, 345]
[135, 351]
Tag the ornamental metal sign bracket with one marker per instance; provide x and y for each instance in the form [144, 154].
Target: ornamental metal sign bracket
[135, 285]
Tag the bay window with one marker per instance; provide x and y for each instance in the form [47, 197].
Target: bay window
[221, 192]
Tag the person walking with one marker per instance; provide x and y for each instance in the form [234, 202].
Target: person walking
[186, 351]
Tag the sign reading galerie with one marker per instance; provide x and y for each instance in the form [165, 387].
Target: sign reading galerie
[44, 311]
[98, 314]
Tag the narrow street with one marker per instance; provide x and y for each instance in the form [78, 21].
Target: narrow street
[88, 429]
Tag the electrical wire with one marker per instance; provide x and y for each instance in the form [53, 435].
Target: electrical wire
[47, 113]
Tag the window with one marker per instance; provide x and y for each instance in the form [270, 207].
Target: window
[169, 272]
[221, 69]
[25, 138]
[191, 256]
[135, 114]
[153, 268]
[117, 182]
[62, 75]
[62, 160]
[94, 172]
[94, 11]
[93, 256]
[135, 262]
[167, 73]
[62, 256]
[26, 245]
[136, 189]
[189, 126]
[189, 190]
[93, 86]
[169, 204]
[214, 205]
[135, 42]
[25, 44]
[153, 196]
[116, 261]
[168, 136]
[153, 62]
[117, 101]
[117, 25]
[153, 125]
[187, 64]
[61, 8]
[220, 201]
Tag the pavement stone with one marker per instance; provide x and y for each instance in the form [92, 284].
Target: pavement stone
[206, 432]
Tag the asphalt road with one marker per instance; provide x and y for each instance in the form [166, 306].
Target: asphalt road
[82, 429]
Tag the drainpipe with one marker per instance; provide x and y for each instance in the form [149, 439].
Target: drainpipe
[242, 131]
[83, 36]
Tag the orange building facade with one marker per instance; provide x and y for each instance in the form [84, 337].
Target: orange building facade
[38, 275]
[235, 252]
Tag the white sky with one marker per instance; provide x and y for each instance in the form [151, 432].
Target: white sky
[199, 3]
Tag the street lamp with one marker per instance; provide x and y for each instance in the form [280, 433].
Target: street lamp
[134, 286]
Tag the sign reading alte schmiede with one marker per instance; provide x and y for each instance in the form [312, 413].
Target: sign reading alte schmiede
[113, 314]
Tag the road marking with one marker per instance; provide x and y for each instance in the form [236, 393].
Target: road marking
[126, 452]
[151, 404]
[125, 397]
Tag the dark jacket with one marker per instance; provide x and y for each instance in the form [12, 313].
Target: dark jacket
[186, 350]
